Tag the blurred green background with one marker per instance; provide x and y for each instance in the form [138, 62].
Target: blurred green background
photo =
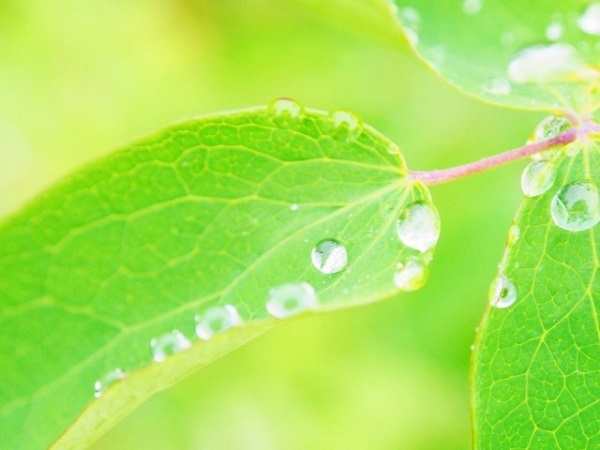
[78, 79]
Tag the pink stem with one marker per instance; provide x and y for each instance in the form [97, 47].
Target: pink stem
[444, 175]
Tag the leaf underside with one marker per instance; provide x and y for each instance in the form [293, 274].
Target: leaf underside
[480, 46]
[536, 380]
[210, 212]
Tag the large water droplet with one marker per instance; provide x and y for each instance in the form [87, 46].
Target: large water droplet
[551, 127]
[291, 299]
[410, 275]
[471, 7]
[503, 292]
[589, 22]
[545, 64]
[285, 111]
[346, 126]
[419, 226]
[168, 344]
[215, 320]
[411, 21]
[576, 206]
[537, 178]
[101, 385]
[329, 256]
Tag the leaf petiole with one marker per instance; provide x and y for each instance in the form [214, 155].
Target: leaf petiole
[452, 173]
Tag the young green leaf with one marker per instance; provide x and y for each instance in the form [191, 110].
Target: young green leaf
[538, 55]
[159, 258]
[536, 380]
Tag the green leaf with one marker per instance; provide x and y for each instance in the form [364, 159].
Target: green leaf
[535, 54]
[536, 381]
[212, 221]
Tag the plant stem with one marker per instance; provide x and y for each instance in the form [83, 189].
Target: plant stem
[444, 175]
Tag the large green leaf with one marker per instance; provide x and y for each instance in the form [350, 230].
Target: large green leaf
[537, 358]
[540, 54]
[216, 217]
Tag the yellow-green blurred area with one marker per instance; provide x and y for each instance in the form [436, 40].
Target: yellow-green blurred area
[79, 79]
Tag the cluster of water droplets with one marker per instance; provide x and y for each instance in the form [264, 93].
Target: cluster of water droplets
[417, 227]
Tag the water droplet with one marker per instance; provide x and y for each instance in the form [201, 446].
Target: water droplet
[537, 178]
[503, 292]
[411, 21]
[101, 385]
[168, 344]
[393, 149]
[551, 127]
[545, 64]
[576, 206]
[329, 256]
[215, 320]
[471, 7]
[498, 86]
[410, 276]
[291, 299]
[472, 347]
[294, 207]
[514, 234]
[285, 111]
[419, 226]
[346, 126]
[554, 30]
[589, 22]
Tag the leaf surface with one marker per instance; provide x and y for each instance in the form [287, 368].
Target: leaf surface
[536, 380]
[540, 54]
[210, 222]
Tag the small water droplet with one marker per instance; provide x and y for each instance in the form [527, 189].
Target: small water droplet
[285, 111]
[498, 86]
[393, 149]
[168, 344]
[346, 126]
[589, 22]
[410, 276]
[537, 178]
[471, 7]
[576, 206]
[555, 30]
[294, 207]
[514, 234]
[215, 320]
[545, 64]
[503, 292]
[101, 385]
[419, 226]
[329, 256]
[411, 21]
[291, 299]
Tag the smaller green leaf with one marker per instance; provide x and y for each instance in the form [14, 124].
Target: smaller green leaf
[158, 259]
[536, 366]
[534, 54]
